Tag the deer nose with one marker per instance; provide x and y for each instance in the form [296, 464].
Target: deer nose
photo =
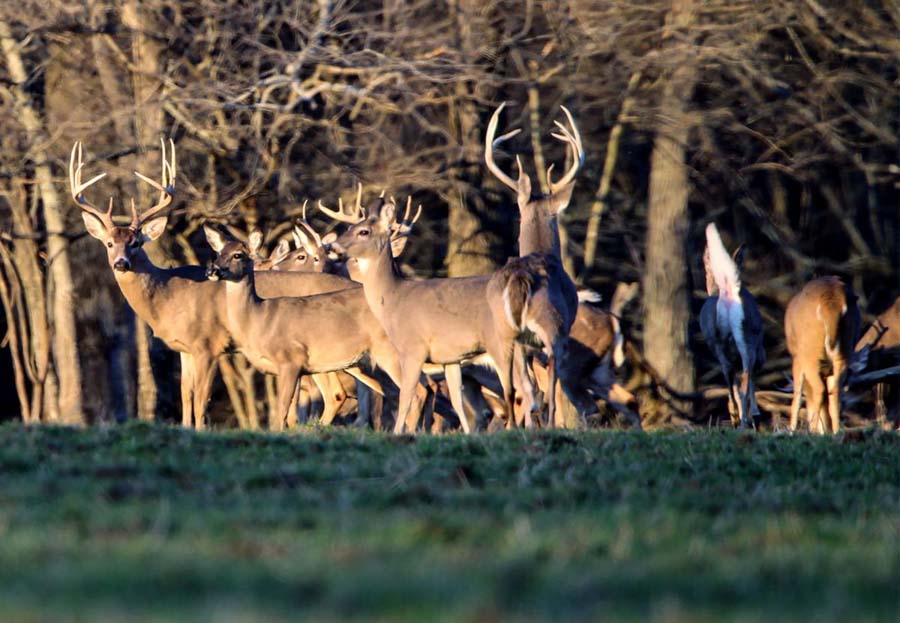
[122, 265]
[213, 272]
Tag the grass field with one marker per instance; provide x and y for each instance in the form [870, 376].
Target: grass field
[141, 522]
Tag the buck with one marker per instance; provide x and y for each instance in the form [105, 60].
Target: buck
[293, 336]
[440, 321]
[732, 327]
[183, 309]
[881, 343]
[539, 235]
[454, 372]
[821, 324]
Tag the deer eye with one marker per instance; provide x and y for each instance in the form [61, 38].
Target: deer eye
[109, 244]
[238, 256]
[364, 232]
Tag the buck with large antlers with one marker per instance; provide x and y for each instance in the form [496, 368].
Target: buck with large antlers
[183, 309]
[732, 326]
[439, 321]
[539, 234]
[822, 324]
[453, 371]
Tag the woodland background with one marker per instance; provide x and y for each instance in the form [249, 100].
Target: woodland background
[777, 119]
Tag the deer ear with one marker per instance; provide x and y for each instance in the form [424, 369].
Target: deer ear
[386, 216]
[93, 225]
[254, 241]
[523, 194]
[215, 238]
[559, 200]
[738, 256]
[281, 251]
[154, 228]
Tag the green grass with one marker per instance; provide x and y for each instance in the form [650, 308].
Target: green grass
[140, 522]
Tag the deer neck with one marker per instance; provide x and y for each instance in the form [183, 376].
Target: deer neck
[379, 279]
[538, 233]
[140, 287]
[241, 303]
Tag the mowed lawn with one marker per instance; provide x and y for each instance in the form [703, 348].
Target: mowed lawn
[154, 523]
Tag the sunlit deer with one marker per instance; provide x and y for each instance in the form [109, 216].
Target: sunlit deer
[732, 327]
[328, 385]
[539, 235]
[441, 321]
[293, 336]
[183, 309]
[822, 324]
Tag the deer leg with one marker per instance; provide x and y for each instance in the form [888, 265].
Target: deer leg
[500, 349]
[288, 380]
[524, 384]
[292, 418]
[453, 376]
[476, 402]
[204, 372]
[364, 405]
[798, 380]
[187, 390]
[815, 403]
[304, 402]
[833, 384]
[333, 395]
[409, 380]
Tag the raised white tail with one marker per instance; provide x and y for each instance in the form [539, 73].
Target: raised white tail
[722, 268]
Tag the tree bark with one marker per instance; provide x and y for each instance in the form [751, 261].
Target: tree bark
[665, 284]
[470, 240]
[62, 306]
[146, 53]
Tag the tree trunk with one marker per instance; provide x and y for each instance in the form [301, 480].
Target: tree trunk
[146, 54]
[665, 284]
[470, 241]
[62, 304]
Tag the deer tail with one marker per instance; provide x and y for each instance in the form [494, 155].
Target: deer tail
[516, 296]
[722, 268]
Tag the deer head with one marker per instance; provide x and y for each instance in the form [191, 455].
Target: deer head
[538, 232]
[234, 260]
[123, 244]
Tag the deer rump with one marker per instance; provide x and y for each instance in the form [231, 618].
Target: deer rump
[733, 319]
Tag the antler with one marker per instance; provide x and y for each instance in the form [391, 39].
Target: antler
[490, 143]
[346, 217]
[303, 231]
[400, 231]
[573, 139]
[77, 188]
[166, 188]
[404, 227]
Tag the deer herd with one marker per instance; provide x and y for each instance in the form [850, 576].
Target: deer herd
[339, 305]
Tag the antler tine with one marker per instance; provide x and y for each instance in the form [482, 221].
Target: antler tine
[166, 188]
[490, 143]
[304, 224]
[338, 215]
[360, 210]
[301, 226]
[77, 187]
[573, 139]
